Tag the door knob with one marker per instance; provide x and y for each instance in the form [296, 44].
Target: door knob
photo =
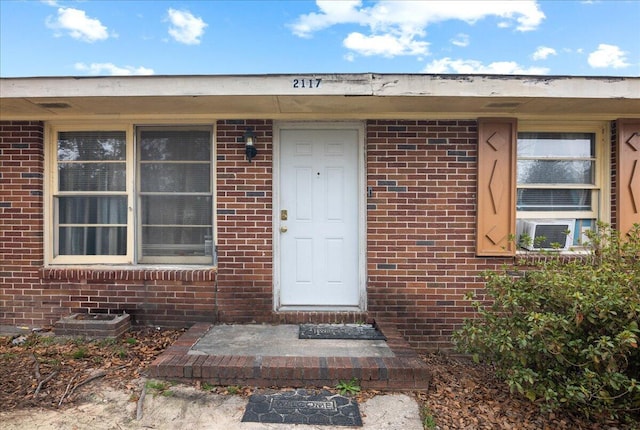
[283, 229]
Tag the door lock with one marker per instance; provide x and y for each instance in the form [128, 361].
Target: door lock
[284, 215]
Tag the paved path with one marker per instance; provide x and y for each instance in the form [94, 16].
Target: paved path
[192, 409]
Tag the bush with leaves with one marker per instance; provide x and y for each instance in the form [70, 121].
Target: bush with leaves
[565, 333]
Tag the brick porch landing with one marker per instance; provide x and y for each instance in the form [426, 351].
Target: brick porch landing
[404, 371]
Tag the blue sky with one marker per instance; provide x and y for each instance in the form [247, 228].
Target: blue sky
[91, 37]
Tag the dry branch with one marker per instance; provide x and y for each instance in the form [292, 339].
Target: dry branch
[67, 390]
[86, 381]
[36, 369]
[44, 381]
[140, 403]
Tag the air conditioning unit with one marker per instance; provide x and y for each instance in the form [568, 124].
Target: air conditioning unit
[545, 233]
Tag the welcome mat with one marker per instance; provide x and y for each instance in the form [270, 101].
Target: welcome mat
[302, 407]
[340, 331]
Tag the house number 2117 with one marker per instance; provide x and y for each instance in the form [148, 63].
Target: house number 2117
[307, 83]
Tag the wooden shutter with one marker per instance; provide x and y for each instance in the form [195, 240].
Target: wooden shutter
[628, 174]
[496, 218]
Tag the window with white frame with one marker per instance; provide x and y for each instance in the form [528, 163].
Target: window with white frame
[559, 185]
[127, 195]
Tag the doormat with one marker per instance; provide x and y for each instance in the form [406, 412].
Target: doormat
[340, 331]
[302, 407]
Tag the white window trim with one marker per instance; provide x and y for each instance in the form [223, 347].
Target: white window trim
[602, 186]
[51, 181]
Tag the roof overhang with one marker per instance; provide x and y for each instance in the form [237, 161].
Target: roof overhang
[319, 96]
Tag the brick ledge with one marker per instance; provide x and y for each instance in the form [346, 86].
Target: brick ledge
[128, 273]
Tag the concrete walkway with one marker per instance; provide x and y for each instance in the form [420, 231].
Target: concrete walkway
[282, 341]
[192, 409]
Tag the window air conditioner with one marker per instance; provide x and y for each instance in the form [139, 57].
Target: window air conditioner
[553, 232]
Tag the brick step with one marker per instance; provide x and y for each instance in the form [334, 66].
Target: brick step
[404, 371]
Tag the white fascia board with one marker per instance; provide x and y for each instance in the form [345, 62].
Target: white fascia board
[140, 86]
[507, 86]
[325, 84]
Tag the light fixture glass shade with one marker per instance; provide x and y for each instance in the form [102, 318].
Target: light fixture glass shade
[249, 143]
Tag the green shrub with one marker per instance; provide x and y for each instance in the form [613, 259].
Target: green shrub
[565, 332]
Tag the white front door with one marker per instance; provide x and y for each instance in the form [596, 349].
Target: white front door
[317, 219]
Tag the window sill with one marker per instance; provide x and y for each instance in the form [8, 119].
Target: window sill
[525, 258]
[571, 251]
[187, 273]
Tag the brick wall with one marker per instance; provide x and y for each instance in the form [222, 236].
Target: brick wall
[421, 226]
[244, 223]
[421, 219]
[21, 224]
[34, 297]
[169, 298]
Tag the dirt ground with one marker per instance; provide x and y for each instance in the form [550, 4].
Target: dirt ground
[49, 382]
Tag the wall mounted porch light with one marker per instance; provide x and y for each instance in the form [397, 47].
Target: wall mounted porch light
[250, 139]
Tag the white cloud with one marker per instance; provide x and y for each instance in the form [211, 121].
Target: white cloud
[608, 56]
[543, 52]
[529, 15]
[112, 69]
[78, 25]
[386, 45]
[461, 40]
[186, 28]
[416, 14]
[331, 13]
[402, 24]
[448, 65]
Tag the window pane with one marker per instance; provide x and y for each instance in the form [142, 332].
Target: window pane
[176, 241]
[91, 177]
[177, 210]
[169, 177]
[175, 163]
[92, 210]
[554, 200]
[555, 172]
[556, 145]
[91, 145]
[175, 145]
[92, 241]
